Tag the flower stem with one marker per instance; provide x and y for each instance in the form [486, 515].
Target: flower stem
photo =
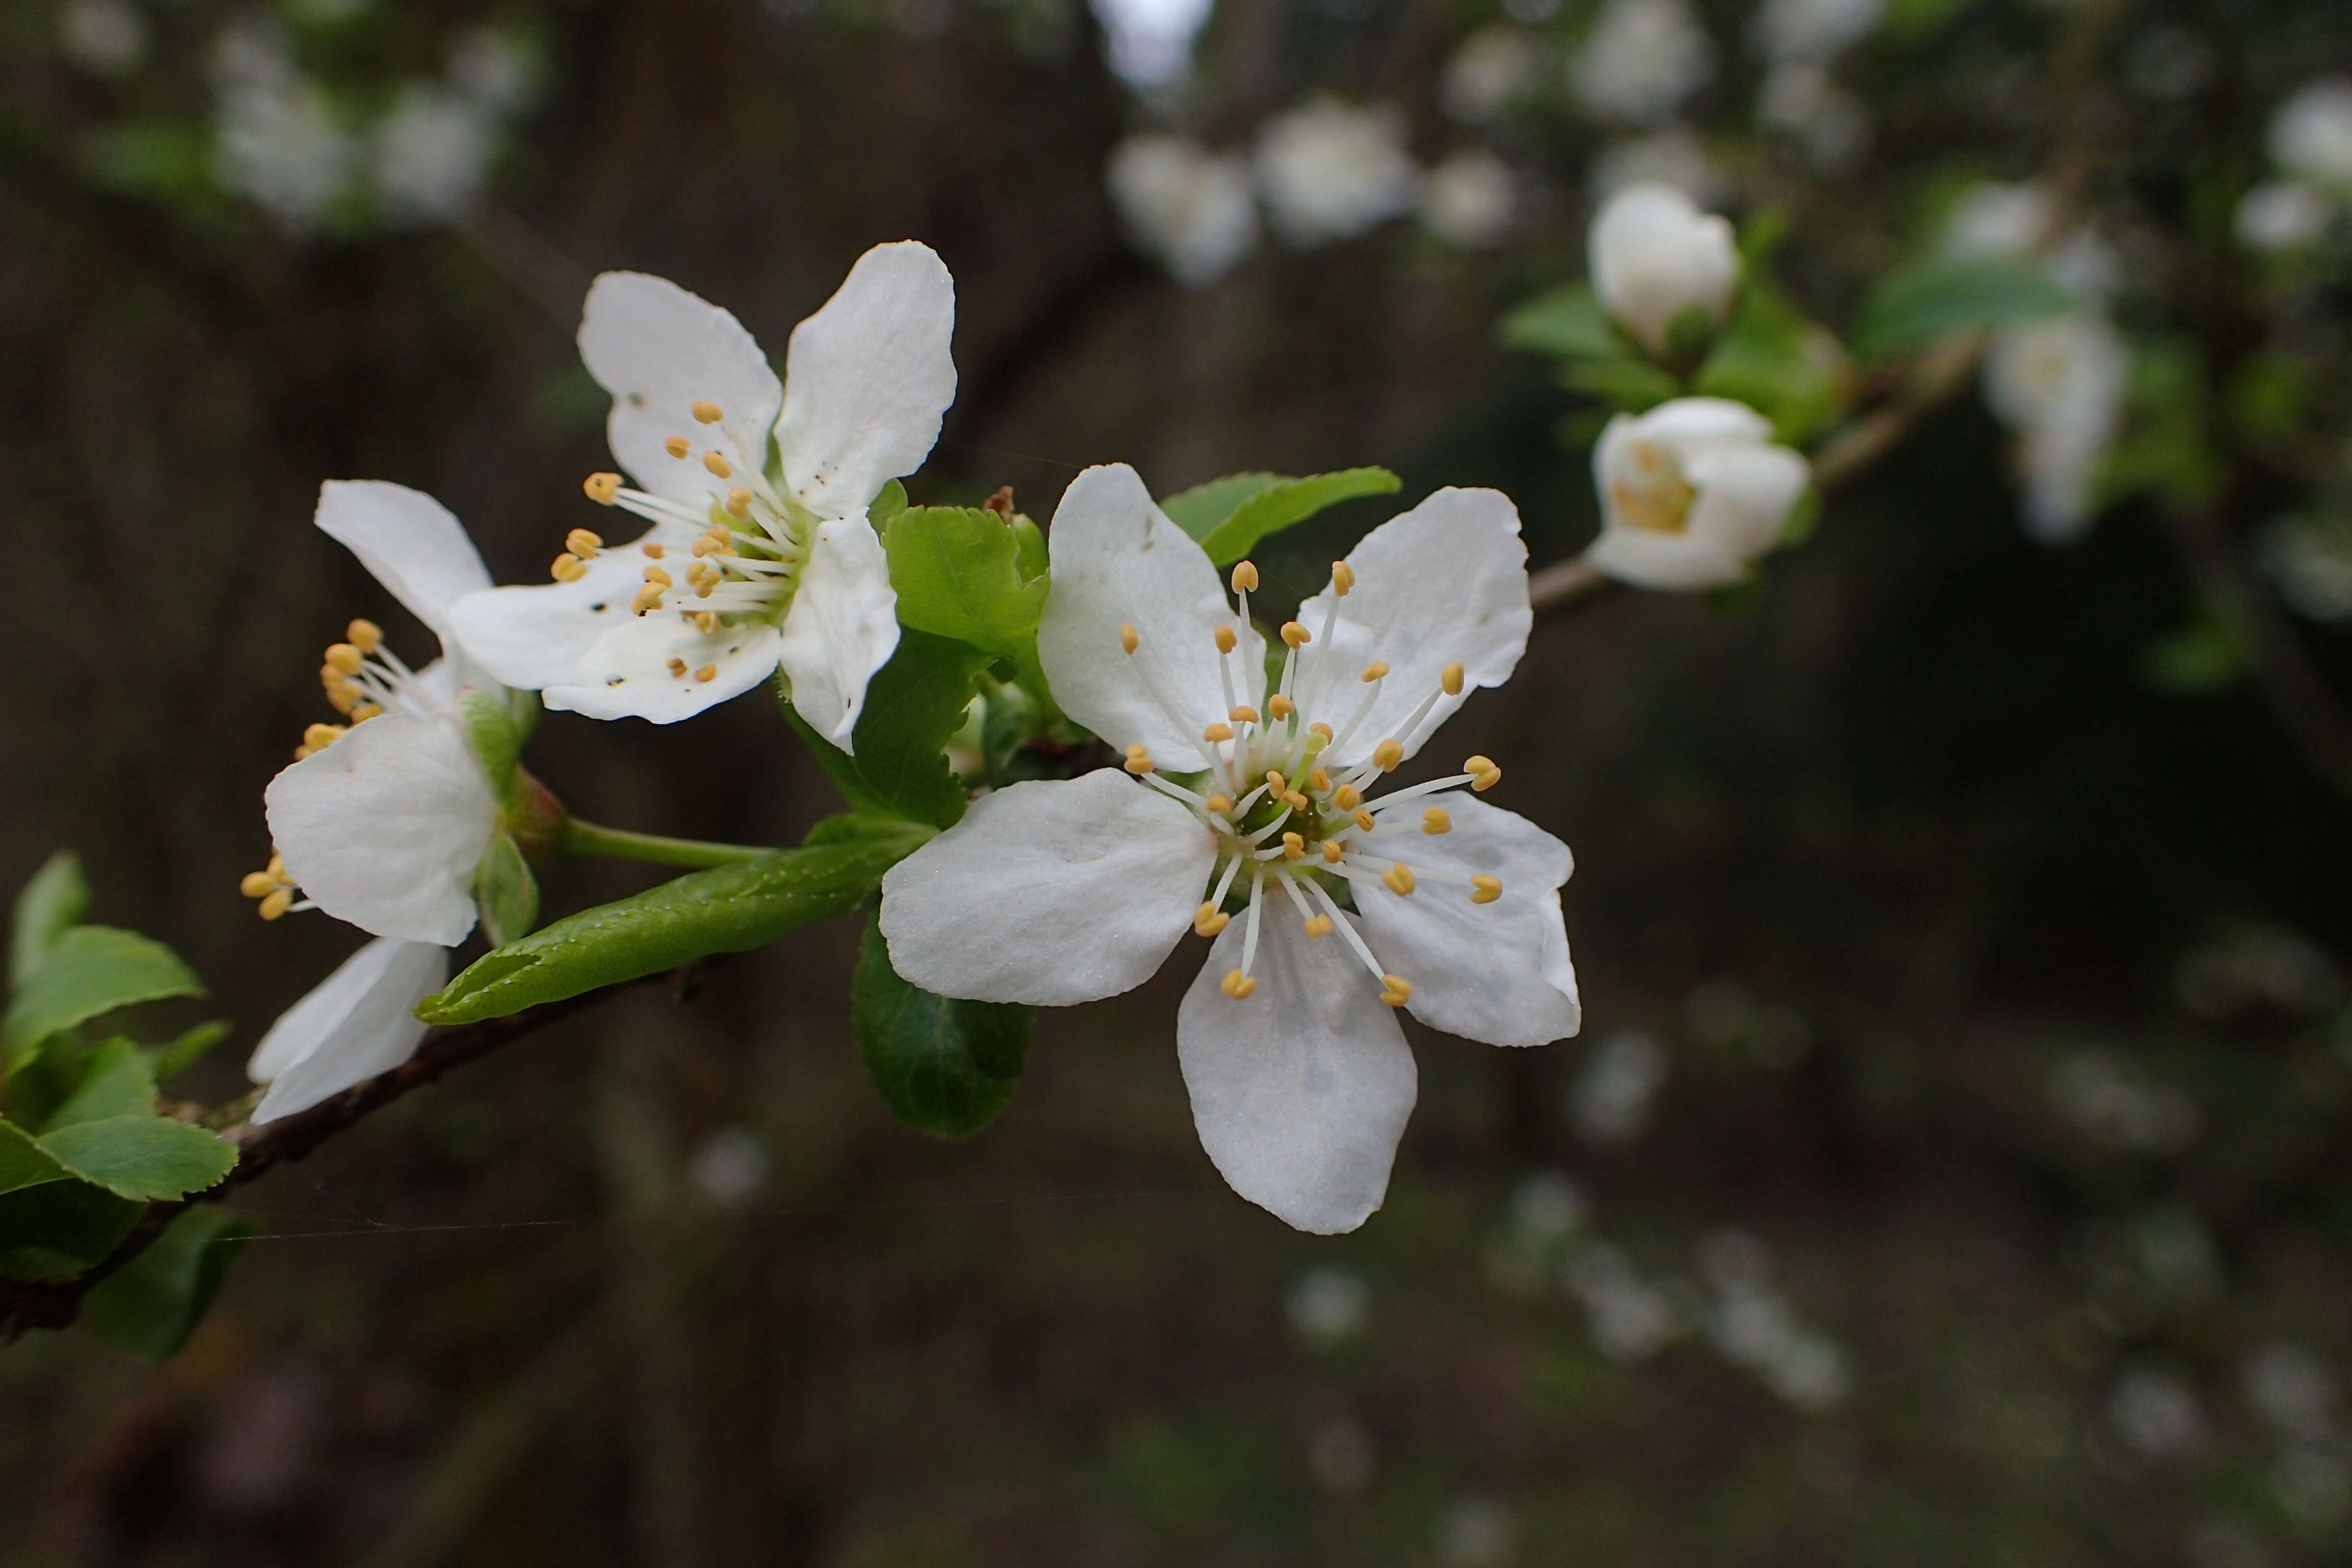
[587, 838]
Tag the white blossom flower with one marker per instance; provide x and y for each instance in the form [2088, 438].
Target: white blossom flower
[1149, 42]
[489, 66]
[383, 824]
[105, 37]
[357, 1023]
[1468, 198]
[1641, 59]
[433, 154]
[2311, 135]
[2009, 221]
[1259, 834]
[1800, 98]
[1691, 493]
[2283, 215]
[2310, 558]
[1673, 156]
[1493, 71]
[1183, 204]
[760, 551]
[1653, 254]
[2060, 385]
[1789, 30]
[1330, 172]
[277, 138]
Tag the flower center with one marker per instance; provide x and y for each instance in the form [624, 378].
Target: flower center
[1287, 828]
[1653, 494]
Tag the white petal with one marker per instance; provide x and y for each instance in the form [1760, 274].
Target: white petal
[659, 350]
[1676, 562]
[534, 637]
[1118, 561]
[1051, 892]
[1301, 1090]
[1745, 495]
[358, 1022]
[843, 627]
[412, 543]
[1445, 584]
[867, 379]
[1499, 971]
[385, 827]
[1688, 420]
[1652, 255]
[630, 671]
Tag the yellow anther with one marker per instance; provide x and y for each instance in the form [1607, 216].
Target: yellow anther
[583, 543]
[1127, 639]
[739, 503]
[717, 465]
[1485, 889]
[1296, 635]
[344, 659]
[319, 737]
[257, 884]
[1216, 733]
[1319, 925]
[1244, 577]
[1237, 985]
[1280, 706]
[706, 622]
[1364, 820]
[1275, 783]
[602, 488]
[1450, 678]
[1324, 730]
[677, 668]
[1399, 877]
[1294, 846]
[1297, 802]
[1209, 920]
[339, 691]
[276, 869]
[1343, 577]
[678, 446]
[364, 636]
[1244, 714]
[649, 598]
[1434, 820]
[658, 578]
[1219, 803]
[1483, 775]
[705, 411]
[1319, 782]
[1395, 990]
[1388, 754]
[653, 551]
[567, 569]
[1226, 641]
[1346, 797]
[363, 712]
[706, 674]
[276, 903]
[1139, 760]
[707, 543]
[1333, 852]
[1376, 670]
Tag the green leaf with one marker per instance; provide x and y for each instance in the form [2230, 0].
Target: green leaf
[142, 1156]
[1941, 295]
[1633, 385]
[505, 891]
[89, 970]
[1288, 501]
[1201, 508]
[191, 1046]
[116, 1082]
[886, 505]
[1567, 321]
[959, 574]
[151, 1304]
[55, 897]
[944, 1066]
[1777, 362]
[60, 1229]
[22, 1162]
[913, 704]
[724, 910]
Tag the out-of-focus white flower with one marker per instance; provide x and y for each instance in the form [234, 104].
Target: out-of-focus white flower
[1813, 30]
[1330, 172]
[1493, 71]
[2157, 1415]
[1547, 1207]
[1149, 42]
[2060, 385]
[1610, 1102]
[1467, 199]
[1995, 219]
[1184, 205]
[2259, 966]
[1641, 59]
[1692, 493]
[2118, 1106]
[2310, 558]
[729, 1166]
[491, 68]
[2311, 135]
[2291, 1388]
[105, 37]
[1653, 254]
[358, 1022]
[2283, 215]
[1478, 1532]
[277, 138]
[1327, 1305]
[433, 155]
[1631, 1318]
[1673, 156]
[1800, 98]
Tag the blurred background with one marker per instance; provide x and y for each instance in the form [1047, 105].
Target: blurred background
[1953, 1168]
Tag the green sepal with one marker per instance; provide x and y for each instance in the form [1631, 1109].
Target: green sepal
[496, 734]
[1567, 322]
[60, 1229]
[1230, 515]
[944, 1066]
[505, 891]
[53, 899]
[151, 1304]
[959, 572]
[725, 909]
[88, 971]
[1940, 296]
[1688, 336]
[913, 705]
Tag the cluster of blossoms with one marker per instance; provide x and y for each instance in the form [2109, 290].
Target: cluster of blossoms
[1248, 807]
[2311, 189]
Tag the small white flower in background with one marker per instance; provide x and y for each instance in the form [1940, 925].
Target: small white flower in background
[1493, 71]
[1191, 209]
[730, 1165]
[1328, 1306]
[1330, 172]
[1149, 42]
[357, 1023]
[2311, 135]
[1692, 493]
[737, 574]
[2292, 1389]
[1800, 98]
[2009, 221]
[1631, 1318]
[2157, 1415]
[383, 824]
[1547, 1207]
[1478, 1532]
[1242, 814]
[1610, 1102]
[1673, 156]
[104, 38]
[487, 66]
[2310, 558]
[277, 138]
[2117, 1105]
[2060, 385]
[1653, 254]
[1467, 200]
[432, 154]
[1813, 30]
[1641, 60]
[2283, 215]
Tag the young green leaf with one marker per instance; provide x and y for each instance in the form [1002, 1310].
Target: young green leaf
[724, 910]
[60, 1229]
[55, 897]
[1288, 501]
[959, 574]
[1567, 321]
[1634, 385]
[22, 1161]
[143, 1156]
[914, 703]
[116, 1082]
[88, 971]
[191, 1046]
[944, 1066]
[1941, 295]
[1772, 360]
[1201, 508]
[151, 1304]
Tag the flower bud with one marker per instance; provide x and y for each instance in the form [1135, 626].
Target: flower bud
[1653, 254]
